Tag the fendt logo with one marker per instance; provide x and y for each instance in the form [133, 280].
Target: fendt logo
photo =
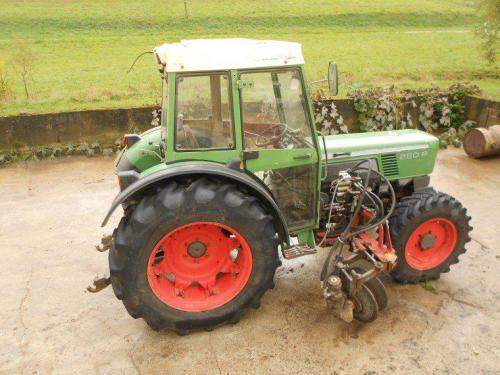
[413, 155]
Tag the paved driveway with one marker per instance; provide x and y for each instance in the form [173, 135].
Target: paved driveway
[50, 214]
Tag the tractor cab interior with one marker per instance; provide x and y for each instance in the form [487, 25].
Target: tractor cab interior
[273, 110]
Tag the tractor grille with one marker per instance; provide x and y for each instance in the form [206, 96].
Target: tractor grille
[390, 164]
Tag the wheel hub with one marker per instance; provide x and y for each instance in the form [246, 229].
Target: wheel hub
[197, 249]
[431, 243]
[428, 241]
[199, 266]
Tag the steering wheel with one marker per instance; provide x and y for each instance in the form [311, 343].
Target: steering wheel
[265, 138]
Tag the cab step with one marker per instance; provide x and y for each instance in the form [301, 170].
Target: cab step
[296, 251]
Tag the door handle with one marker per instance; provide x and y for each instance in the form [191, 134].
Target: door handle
[250, 155]
[302, 157]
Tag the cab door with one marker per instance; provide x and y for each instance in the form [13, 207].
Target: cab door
[201, 119]
[279, 143]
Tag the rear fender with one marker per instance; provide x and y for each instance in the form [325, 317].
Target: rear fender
[198, 169]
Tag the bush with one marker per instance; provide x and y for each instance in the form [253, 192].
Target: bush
[381, 109]
[441, 111]
[328, 119]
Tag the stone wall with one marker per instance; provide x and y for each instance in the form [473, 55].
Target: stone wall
[484, 112]
[72, 127]
[107, 125]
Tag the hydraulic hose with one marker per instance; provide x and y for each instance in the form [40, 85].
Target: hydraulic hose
[379, 210]
[389, 213]
[343, 236]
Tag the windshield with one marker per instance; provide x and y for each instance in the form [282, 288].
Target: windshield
[274, 110]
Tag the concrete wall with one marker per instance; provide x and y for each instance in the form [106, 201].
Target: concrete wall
[109, 124]
[484, 112]
[72, 127]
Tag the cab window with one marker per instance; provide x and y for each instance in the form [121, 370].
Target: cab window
[203, 118]
[274, 110]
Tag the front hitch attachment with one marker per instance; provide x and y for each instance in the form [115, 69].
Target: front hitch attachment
[99, 284]
[353, 290]
[105, 243]
[336, 299]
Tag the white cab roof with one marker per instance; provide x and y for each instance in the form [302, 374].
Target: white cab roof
[223, 54]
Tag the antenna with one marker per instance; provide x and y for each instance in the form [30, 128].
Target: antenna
[137, 58]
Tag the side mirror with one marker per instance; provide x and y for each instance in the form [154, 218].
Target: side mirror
[333, 78]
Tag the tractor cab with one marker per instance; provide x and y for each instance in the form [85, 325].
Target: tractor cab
[246, 100]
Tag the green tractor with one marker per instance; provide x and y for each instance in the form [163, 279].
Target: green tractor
[237, 174]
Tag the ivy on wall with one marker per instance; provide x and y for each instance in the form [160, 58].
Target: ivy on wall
[328, 119]
[440, 111]
[51, 153]
[381, 109]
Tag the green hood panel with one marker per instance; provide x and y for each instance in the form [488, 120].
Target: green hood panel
[376, 142]
[399, 153]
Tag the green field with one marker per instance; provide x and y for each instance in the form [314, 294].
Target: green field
[83, 49]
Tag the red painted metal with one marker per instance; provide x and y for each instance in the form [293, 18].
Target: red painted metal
[445, 234]
[204, 282]
[380, 246]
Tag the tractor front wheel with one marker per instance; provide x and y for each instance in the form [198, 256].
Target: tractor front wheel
[429, 231]
[193, 256]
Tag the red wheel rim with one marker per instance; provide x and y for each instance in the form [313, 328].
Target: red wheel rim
[199, 266]
[431, 244]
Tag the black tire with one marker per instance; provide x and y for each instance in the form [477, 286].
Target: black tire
[365, 305]
[412, 211]
[179, 204]
[377, 288]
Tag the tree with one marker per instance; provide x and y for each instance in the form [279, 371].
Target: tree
[489, 30]
[186, 11]
[22, 63]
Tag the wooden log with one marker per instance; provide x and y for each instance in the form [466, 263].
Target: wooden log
[479, 142]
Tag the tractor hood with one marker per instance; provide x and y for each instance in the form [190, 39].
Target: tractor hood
[399, 153]
[373, 143]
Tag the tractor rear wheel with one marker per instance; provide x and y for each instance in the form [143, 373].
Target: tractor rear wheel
[429, 232]
[193, 256]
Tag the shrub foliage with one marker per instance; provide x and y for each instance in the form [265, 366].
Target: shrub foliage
[440, 111]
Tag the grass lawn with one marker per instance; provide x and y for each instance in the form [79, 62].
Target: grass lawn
[83, 49]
